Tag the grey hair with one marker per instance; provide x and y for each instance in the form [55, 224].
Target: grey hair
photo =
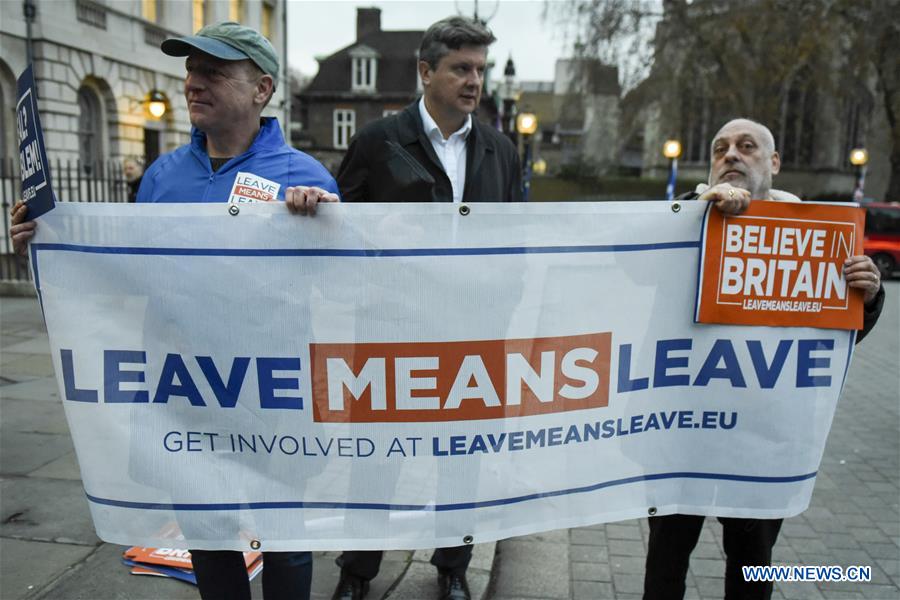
[452, 33]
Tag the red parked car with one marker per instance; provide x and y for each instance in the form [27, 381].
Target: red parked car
[882, 239]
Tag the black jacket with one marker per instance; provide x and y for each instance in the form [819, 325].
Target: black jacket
[392, 160]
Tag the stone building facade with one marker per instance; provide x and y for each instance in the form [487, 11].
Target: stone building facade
[578, 116]
[97, 63]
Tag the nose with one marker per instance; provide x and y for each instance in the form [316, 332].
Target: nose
[732, 155]
[193, 81]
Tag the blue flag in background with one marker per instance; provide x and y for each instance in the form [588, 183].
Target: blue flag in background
[673, 175]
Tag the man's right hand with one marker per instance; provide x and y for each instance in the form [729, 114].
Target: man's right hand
[302, 200]
[19, 231]
[729, 199]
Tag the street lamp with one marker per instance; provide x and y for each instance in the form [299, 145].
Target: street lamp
[526, 125]
[156, 104]
[508, 97]
[859, 157]
[672, 150]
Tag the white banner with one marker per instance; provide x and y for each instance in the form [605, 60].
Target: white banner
[408, 376]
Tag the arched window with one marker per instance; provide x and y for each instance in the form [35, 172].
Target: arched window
[90, 128]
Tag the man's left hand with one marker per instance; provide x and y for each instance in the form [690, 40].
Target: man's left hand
[303, 200]
[862, 274]
[20, 231]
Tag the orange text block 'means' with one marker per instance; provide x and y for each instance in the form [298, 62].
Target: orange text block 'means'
[460, 380]
[781, 264]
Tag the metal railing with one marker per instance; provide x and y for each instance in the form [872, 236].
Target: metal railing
[72, 181]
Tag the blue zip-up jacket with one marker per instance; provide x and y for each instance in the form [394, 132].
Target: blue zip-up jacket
[185, 175]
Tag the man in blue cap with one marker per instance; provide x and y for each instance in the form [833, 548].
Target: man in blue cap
[237, 156]
[234, 155]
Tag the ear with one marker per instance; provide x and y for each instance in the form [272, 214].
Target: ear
[425, 72]
[264, 89]
[776, 163]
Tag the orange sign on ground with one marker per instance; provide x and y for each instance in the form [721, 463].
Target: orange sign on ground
[780, 264]
[453, 381]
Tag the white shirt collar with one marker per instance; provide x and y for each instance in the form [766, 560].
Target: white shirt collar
[431, 127]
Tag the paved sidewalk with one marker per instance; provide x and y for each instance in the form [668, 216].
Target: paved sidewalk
[48, 549]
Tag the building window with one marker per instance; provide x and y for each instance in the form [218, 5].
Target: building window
[152, 145]
[199, 14]
[150, 10]
[90, 128]
[3, 126]
[344, 127]
[364, 73]
[695, 118]
[236, 10]
[797, 122]
[91, 13]
[856, 108]
[268, 12]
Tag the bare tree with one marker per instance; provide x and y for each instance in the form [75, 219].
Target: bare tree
[746, 55]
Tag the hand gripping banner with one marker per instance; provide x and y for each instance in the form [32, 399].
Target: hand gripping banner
[415, 376]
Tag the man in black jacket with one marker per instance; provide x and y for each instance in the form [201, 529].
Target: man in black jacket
[435, 150]
[743, 163]
[432, 151]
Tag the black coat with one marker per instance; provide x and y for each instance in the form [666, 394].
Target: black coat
[392, 160]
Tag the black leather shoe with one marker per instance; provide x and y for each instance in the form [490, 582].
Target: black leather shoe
[350, 588]
[453, 587]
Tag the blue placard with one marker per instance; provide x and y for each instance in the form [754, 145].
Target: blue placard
[34, 167]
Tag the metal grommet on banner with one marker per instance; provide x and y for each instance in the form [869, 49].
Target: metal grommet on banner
[468, 540]
[463, 210]
[676, 206]
[233, 210]
[651, 511]
[255, 544]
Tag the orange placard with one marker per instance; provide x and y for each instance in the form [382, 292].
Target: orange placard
[174, 557]
[780, 264]
[457, 381]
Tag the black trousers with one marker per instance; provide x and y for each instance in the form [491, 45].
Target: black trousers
[747, 542]
[364, 564]
[222, 575]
